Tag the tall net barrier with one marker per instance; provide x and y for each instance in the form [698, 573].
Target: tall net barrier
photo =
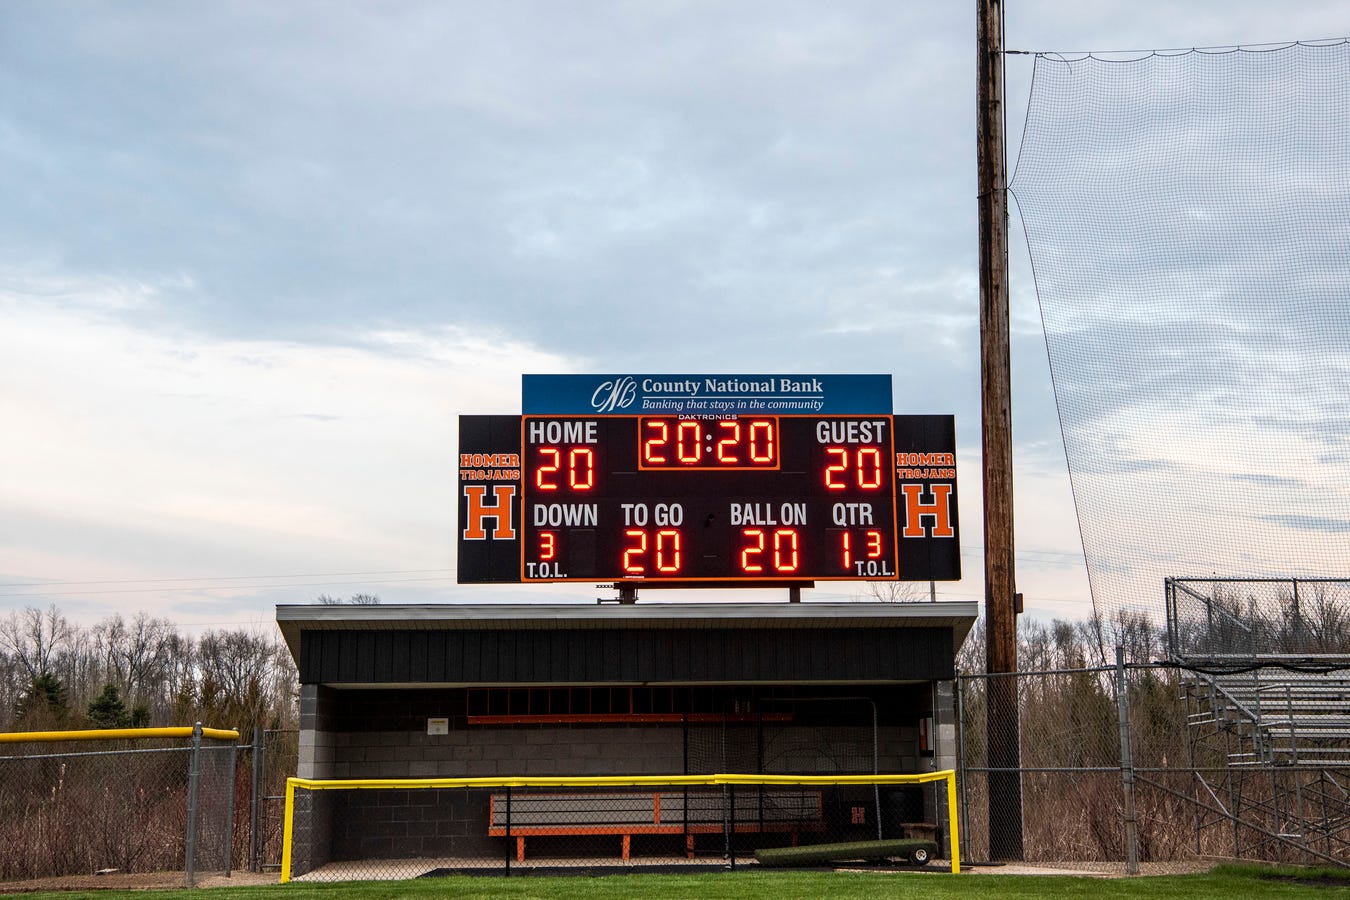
[338, 830]
[122, 801]
[1188, 220]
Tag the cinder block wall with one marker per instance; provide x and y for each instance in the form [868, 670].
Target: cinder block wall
[944, 756]
[505, 750]
[318, 706]
[413, 824]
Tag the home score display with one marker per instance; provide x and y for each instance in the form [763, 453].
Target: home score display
[706, 500]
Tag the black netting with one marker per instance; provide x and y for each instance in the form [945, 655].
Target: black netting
[353, 831]
[1188, 218]
[794, 736]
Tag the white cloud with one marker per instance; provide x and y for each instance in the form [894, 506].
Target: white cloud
[309, 191]
[138, 453]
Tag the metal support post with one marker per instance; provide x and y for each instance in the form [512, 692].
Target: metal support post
[731, 825]
[508, 831]
[194, 785]
[254, 843]
[960, 688]
[1298, 623]
[229, 806]
[876, 764]
[1127, 767]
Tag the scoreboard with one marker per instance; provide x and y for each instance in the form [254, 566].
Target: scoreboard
[695, 500]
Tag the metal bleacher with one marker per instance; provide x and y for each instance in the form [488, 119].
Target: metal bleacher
[1291, 718]
[1266, 678]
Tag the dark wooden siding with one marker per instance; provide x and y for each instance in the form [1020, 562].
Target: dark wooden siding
[625, 656]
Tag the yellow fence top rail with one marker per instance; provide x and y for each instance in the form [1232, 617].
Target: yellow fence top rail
[488, 781]
[113, 734]
[315, 784]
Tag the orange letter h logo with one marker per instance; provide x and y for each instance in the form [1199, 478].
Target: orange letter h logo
[499, 512]
[939, 509]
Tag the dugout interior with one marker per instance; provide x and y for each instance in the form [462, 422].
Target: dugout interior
[448, 691]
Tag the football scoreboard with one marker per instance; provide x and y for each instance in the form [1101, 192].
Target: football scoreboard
[727, 481]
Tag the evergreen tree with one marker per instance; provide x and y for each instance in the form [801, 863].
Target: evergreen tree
[43, 703]
[107, 709]
[140, 716]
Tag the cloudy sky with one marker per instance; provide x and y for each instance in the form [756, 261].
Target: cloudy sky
[255, 258]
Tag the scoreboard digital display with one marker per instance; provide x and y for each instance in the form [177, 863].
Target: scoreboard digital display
[705, 500]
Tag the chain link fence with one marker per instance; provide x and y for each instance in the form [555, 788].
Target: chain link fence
[135, 800]
[1239, 621]
[352, 830]
[273, 759]
[1160, 763]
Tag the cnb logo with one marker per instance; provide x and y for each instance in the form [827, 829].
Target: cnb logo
[617, 394]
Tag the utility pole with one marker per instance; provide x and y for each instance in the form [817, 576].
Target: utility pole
[1005, 786]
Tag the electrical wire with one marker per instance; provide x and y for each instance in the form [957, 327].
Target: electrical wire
[222, 587]
[44, 583]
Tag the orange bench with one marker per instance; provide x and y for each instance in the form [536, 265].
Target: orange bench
[626, 813]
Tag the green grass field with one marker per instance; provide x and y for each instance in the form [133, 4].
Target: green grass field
[1234, 882]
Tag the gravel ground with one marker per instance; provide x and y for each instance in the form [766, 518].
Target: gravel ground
[153, 880]
[119, 881]
[1093, 869]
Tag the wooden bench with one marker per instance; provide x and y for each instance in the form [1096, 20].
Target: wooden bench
[626, 813]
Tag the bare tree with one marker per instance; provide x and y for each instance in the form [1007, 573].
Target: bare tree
[33, 638]
[13, 681]
[79, 664]
[177, 698]
[244, 678]
[970, 659]
[892, 592]
[1327, 621]
[136, 654]
[353, 600]
[165, 676]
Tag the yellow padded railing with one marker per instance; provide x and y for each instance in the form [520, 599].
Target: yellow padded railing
[357, 784]
[114, 734]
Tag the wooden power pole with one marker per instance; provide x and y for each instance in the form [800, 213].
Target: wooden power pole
[1005, 785]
